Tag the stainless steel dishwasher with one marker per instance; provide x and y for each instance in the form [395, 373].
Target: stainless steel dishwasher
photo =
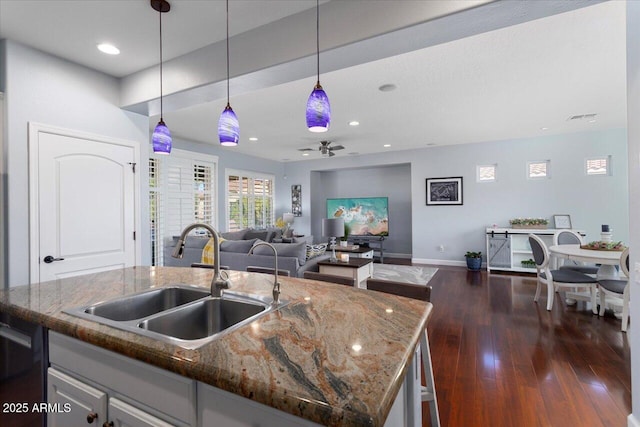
[23, 364]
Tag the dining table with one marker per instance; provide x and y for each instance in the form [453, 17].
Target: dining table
[607, 259]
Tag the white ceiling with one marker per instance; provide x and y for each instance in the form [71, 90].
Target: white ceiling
[504, 84]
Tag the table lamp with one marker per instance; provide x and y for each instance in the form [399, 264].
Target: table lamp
[288, 219]
[333, 227]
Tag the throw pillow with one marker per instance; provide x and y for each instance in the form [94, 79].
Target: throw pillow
[297, 250]
[240, 246]
[256, 234]
[207, 252]
[235, 235]
[316, 250]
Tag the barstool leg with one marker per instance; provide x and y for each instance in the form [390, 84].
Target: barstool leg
[428, 392]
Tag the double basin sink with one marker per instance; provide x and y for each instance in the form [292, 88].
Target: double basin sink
[183, 315]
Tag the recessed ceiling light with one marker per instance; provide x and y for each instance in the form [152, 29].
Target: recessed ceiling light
[353, 153]
[354, 123]
[387, 145]
[544, 128]
[431, 144]
[253, 138]
[109, 49]
[387, 87]
[305, 154]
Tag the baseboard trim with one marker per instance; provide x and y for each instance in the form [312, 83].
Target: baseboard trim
[632, 421]
[444, 262]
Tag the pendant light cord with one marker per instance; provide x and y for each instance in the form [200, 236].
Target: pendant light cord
[228, 53]
[318, 38]
[161, 110]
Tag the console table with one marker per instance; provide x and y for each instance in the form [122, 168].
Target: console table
[359, 269]
[508, 247]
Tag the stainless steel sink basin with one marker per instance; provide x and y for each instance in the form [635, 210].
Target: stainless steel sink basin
[205, 318]
[181, 315]
[146, 303]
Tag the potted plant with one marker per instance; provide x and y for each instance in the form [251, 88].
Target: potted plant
[539, 223]
[344, 240]
[474, 260]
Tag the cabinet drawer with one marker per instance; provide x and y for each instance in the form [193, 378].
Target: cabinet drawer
[164, 391]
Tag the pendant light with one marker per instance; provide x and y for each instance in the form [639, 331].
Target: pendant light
[161, 137]
[318, 108]
[228, 125]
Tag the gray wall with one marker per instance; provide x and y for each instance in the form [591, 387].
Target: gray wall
[44, 89]
[393, 182]
[633, 125]
[590, 200]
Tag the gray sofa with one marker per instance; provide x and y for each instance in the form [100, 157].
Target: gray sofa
[235, 255]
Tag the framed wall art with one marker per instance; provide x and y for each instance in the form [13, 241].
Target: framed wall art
[296, 200]
[562, 221]
[444, 191]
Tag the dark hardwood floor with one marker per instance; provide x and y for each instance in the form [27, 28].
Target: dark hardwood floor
[499, 359]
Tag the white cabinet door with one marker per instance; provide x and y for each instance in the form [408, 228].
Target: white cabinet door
[73, 402]
[122, 414]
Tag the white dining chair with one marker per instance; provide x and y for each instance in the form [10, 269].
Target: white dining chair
[569, 237]
[555, 279]
[618, 289]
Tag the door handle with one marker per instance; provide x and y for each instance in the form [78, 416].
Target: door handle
[49, 259]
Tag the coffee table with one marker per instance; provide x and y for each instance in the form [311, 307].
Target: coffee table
[359, 269]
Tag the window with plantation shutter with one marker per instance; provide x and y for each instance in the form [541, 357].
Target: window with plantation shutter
[538, 169]
[181, 192]
[250, 200]
[598, 165]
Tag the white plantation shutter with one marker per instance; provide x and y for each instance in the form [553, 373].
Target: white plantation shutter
[250, 200]
[184, 194]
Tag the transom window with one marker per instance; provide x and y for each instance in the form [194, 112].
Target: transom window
[598, 165]
[486, 173]
[538, 169]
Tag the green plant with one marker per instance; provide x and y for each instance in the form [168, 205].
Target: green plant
[529, 221]
[470, 254]
[528, 263]
[347, 230]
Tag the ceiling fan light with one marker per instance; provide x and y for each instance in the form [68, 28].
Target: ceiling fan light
[228, 128]
[318, 110]
[161, 139]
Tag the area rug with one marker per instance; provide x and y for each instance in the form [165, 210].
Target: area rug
[404, 273]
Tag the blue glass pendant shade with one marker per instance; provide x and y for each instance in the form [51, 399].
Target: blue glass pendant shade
[318, 110]
[161, 139]
[228, 127]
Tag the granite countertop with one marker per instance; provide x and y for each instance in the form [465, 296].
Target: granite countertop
[334, 355]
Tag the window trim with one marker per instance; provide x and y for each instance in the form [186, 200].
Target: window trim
[252, 175]
[160, 189]
[536, 178]
[609, 168]
[495, 173]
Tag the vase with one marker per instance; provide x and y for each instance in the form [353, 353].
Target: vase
[474, 264]
[534, 227]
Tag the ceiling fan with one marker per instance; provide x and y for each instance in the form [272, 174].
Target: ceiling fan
[325, 148]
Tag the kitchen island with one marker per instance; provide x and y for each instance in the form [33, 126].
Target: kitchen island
[333, 355]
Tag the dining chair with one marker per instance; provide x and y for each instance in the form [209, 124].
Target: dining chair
[617, 288]
[555, 279]
[330, 278]
[569, 237]
[266, 270]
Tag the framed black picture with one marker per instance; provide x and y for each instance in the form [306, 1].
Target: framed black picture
[444, 191]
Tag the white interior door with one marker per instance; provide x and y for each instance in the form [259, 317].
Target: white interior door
[85, 205]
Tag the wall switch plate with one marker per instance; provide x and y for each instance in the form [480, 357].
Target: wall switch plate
[441, 248]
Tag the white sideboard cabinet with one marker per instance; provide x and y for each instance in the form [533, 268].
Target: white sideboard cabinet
[508, 247]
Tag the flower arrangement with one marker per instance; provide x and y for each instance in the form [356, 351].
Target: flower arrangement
[529, 221]
[540, 223]
[604, 246]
